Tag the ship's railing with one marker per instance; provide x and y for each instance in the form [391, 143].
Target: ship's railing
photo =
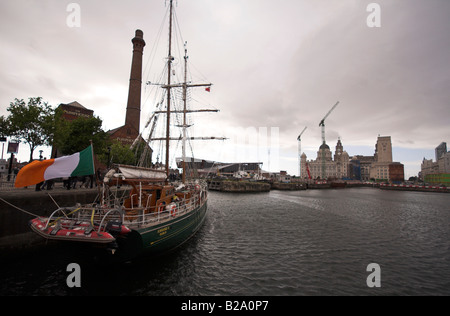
[96, 217]
[148, 216]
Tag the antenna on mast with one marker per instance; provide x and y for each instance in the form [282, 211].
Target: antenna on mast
[165, 2]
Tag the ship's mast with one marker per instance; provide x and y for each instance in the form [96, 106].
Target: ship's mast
[185, 86]
[184, 114]
[169, 71]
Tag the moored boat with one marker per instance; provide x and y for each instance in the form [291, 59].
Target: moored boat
[78, 227]
[149, 214]
[160, 215]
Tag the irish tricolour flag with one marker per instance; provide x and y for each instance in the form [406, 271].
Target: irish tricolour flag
[78, 164]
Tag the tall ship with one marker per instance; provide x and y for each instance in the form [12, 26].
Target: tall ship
[142, 209]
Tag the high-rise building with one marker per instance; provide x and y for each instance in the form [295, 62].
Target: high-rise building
[383, 149]
[383, 168]
[440, 150]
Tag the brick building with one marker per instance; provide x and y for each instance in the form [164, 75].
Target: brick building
[71, 111]
[74, 110]
[396, 172]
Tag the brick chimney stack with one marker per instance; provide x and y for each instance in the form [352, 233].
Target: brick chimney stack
[133, 114]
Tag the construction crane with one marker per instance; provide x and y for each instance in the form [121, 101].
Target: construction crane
[322, 124]
[300, 152]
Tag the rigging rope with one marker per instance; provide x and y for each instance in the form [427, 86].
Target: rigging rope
[178, 49]
[18, 208]
[154, 49]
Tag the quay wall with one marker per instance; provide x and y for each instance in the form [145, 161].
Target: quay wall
[415, 188]
[294, 186]
[238, 186]
[14, 230]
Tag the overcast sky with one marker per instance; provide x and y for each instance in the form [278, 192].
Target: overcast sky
[274, 64]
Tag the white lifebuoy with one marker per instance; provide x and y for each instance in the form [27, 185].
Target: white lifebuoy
[172, 209]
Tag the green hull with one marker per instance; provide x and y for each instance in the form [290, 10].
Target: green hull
[161, 238]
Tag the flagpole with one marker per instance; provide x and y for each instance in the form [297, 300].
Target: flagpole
[95, 173]
[92, 152]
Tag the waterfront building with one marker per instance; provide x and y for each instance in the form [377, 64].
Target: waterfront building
[396, 172]
[281, 176]
[383, 169]
[440, 178]
[383, 149]
[207, 168]
[444, 163]
[440, 150]
[359, 167]
[341, 159]
[334, 169]
[428, 167]
[437, 171]
[379, 167]
[379, 171]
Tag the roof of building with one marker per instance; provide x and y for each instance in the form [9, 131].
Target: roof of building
[75, 104]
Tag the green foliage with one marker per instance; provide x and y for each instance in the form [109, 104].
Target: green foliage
[116, 153]
[74, 136]
[31, 122]
[37, 124]
[4, 127]
[121, 154]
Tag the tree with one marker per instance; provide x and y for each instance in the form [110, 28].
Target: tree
[4, 127]
[413, 179]
[118, 153]
[74, 136]
[121, 154]
[33, 122]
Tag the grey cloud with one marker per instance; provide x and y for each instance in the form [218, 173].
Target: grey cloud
[278, 64]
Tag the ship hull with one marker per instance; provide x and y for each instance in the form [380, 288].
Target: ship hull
[161, 238]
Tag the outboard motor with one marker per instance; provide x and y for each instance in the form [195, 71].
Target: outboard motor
[114, 228]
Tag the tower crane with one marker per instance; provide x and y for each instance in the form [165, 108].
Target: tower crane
[322, 124]
[300, 151]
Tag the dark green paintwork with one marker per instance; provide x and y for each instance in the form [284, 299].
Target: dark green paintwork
[164, 237]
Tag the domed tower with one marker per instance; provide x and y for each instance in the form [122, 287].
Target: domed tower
[324, 152]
